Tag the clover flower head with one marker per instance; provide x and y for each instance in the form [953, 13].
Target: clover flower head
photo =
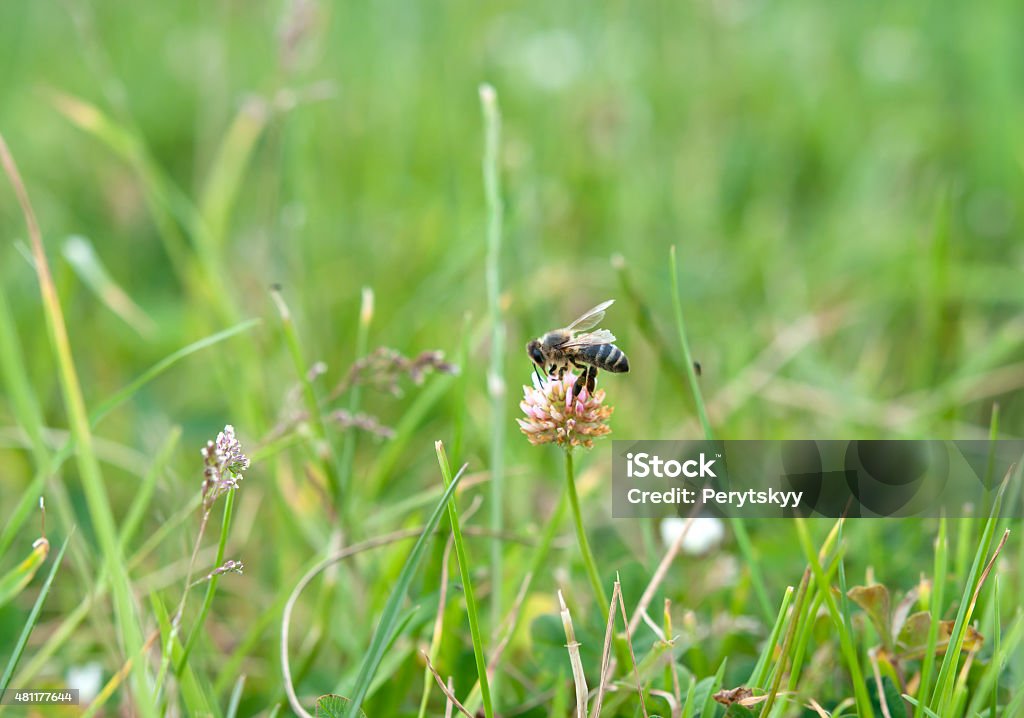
[701, 534]
[224, 463]
[555, 415]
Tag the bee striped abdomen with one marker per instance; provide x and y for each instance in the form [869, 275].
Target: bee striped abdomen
[606, 356]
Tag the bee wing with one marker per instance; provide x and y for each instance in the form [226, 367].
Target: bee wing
[589, 339]
[590, 318]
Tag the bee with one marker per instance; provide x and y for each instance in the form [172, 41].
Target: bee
[583, 349]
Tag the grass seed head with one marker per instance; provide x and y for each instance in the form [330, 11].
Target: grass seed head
[224, 463]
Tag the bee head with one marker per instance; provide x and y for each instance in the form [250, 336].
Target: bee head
[533, 350]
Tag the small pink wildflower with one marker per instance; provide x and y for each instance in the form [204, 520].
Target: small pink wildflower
[553, 414]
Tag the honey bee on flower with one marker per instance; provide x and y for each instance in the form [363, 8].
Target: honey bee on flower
[556, 413]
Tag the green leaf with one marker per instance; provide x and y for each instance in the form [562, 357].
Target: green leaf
[711, 686]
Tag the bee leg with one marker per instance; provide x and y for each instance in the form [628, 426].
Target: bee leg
[591, 379]
[581, 381]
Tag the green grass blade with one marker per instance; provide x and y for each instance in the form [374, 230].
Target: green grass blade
[91, 476]
[123, 394]
[33, 616]
[328, 458]
[643, 318]
[760, 673]
[225, 177]
[946, 680]
[384, 633]
[537, 561]
[236, 698]
[467, 586]
[129, 526]
[918, 706]
[412, 418]
[496, 384]
[840, 623]
[195, 694]
[348, 447]
[28, 416]
[19, 390]
[27, 500]
[83, 259]
[690, 704]
[166, 202]
[936, 603]
[684, 344]
[14, 581]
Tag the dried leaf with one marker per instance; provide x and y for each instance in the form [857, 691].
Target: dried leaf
[912, 642]
[874, 599]
[728, 696]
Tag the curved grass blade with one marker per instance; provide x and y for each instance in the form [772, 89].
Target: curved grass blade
[81, 255]
[225, 177]
[14, 581]
[163, 365]
[168, 204]
[236, 697]
[33, 616]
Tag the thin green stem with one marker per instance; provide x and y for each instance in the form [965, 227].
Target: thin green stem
[764, 662]
[348, 447]
[581, 537]
[211, 586]
[691, 372]
[496, 372]
[323, 448]
[739, 527]
[935, 603]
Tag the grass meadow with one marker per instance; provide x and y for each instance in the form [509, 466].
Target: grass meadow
[334, 227]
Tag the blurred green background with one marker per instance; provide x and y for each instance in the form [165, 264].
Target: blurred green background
[842, 182]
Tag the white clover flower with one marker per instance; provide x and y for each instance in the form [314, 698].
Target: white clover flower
[87, 678]
[705, 533]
